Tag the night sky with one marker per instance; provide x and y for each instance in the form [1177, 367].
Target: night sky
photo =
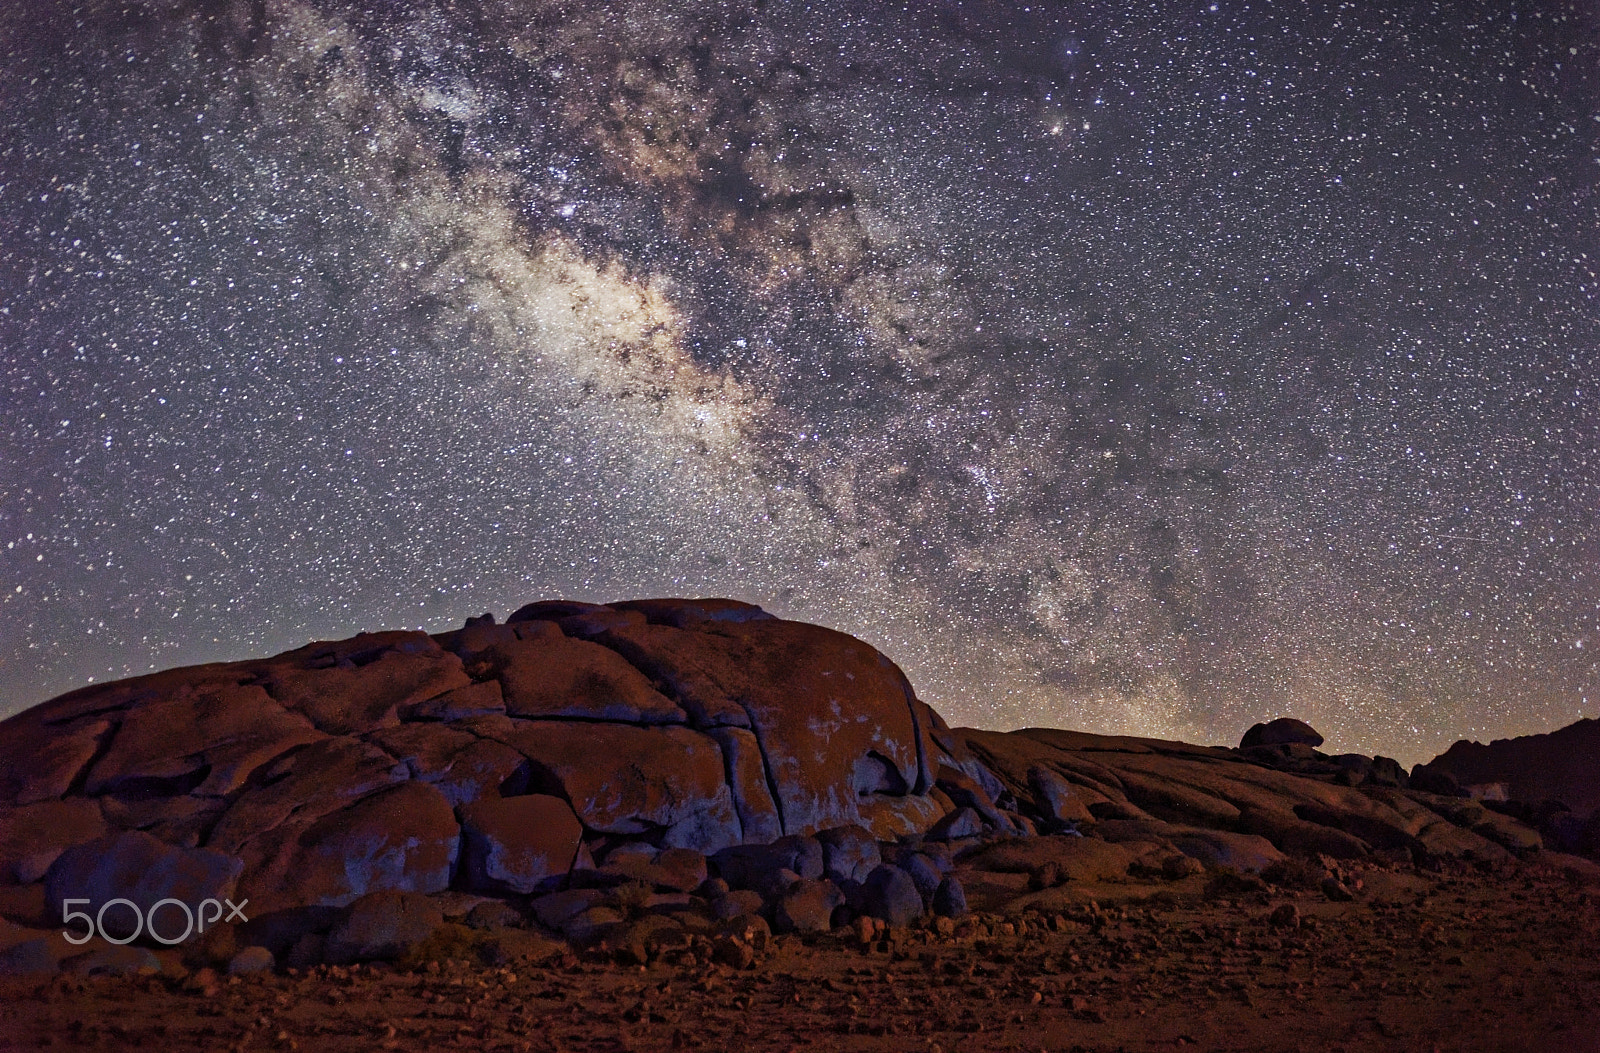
[1153, 368]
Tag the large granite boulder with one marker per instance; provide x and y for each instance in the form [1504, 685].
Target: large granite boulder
[492, 759]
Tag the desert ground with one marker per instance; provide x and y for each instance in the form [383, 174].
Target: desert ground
[1468, 958]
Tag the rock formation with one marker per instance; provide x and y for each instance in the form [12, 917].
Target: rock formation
[635, 773]
[1551, 781]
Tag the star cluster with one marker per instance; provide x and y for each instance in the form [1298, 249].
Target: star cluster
[1142, 368]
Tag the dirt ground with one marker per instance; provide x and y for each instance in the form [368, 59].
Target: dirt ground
[1469, 961]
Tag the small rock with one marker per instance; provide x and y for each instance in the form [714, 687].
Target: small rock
[118, 961]
[1286, 916]
[1178, 867]
[961, 823]
[733, 953]
[751, 928]
[31, 956]
[950, 899]
[808, 906]
[1336, 890]
[741, 901]
[591, 925]
[494, 914]
[251, 960]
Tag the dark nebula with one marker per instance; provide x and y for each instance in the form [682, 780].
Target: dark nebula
[1154, 368]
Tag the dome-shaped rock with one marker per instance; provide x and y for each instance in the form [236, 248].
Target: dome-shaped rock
[1281, 732]
[492, 758]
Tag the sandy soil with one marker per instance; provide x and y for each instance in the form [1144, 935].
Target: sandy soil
[1502, 961]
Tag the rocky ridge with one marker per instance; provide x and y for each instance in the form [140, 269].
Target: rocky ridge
[657, 777]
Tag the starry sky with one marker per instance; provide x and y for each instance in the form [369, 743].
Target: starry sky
[1154, 368]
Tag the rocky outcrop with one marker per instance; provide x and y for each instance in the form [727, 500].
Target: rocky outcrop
[630, 774]
[1242, 808]
[1563, 766]
[493, 759]
[1550, 782]
[1281, 732]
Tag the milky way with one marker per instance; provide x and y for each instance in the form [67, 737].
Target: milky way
[1146, 368]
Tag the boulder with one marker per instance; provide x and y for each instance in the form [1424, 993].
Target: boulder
[518, 844]
[553, 676]
[807, 906]
[673, 869]
[959, 824]
[667, 779]
[1058, 798]
[493, 914]
[1281, 732]
[747, 781]
[382, 926]
[592, 925]
[557, 908]
[1428, 779]
[336, 770]
[40, 758]
[300, 787]
[691, 614]
[137, 867]
[33, 835]
[203, 742]
[760, 867]
[551, 611]
[1074, 858]
[1224, 848]
[923, 873]
[252, 960]
[588, 624]
[403, 838]
[950, 898]
[483, 768]
[473, 700]
[360, 684]
[849, 853]
[737, 903]
[833, 717]
[890, 894]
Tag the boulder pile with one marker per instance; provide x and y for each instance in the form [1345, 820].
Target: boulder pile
[646, 777]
